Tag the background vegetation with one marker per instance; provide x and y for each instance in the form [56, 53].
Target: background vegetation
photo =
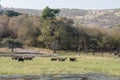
[57, 33]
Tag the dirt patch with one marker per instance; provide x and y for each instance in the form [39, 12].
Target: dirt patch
[88, 76]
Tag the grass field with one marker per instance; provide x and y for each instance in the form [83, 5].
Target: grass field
[41, 65]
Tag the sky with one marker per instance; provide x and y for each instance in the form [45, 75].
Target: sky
[72, 4]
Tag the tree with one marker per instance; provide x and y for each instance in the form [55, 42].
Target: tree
[49, 13]
[116, 38]
[11, 13]
[4, 27]
[27, 29]
[55, 46]
[48, 25]
[11, 43]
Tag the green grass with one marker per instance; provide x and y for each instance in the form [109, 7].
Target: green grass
[40, 66]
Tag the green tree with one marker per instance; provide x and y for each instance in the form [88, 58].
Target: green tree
[49, 13]
[11, 43]
[11, 13]
[48, 24]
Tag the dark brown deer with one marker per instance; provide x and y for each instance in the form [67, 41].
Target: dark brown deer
[21, 59]
[73, 59]
[54, 59]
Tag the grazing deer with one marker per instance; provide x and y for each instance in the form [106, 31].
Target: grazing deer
[54, 59]
[21, 59]
[73, 59]
[62, 59]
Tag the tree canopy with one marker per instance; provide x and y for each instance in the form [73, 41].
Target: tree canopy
[11, 13]
[49, 13]
[11, 43]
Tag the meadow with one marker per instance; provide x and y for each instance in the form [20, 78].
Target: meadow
[43, 65]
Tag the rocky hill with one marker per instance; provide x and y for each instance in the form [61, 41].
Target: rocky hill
[100, 18]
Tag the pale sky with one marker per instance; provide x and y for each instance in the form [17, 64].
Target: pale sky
[80, 4]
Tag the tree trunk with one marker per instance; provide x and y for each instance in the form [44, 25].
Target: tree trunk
[93, 52]
[12, 49]
[79, 50]
[102, 53]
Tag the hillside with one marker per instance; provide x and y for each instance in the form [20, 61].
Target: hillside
[100, 18]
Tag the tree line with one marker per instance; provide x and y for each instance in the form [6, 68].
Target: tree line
[55, 32]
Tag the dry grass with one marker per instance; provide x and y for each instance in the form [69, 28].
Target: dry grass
[5, 50]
